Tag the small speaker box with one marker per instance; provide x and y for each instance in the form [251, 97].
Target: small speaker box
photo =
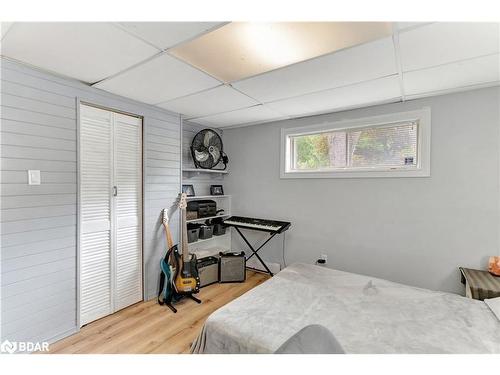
[232, 267]
[208, 269]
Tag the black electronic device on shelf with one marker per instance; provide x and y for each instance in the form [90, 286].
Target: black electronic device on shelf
[201, 208]
[218, 226]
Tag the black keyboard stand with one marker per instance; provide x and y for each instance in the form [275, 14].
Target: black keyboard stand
[255, 251]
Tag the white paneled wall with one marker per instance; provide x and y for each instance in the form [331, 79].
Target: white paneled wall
[38, 223]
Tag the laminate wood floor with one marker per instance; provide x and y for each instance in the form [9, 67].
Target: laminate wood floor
[147, 327]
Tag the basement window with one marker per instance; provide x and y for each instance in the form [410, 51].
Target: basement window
[396, 145]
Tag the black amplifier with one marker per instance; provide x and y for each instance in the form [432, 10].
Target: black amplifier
[201, 208]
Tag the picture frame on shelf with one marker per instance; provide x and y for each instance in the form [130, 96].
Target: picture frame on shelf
[216, 190]
[189, 190]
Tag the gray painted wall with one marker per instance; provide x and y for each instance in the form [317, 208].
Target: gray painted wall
[38, 223]
[411, 230]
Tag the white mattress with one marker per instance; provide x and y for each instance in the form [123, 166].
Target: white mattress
[366, 315]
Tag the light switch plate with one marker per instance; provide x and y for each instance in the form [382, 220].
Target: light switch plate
[34, 177]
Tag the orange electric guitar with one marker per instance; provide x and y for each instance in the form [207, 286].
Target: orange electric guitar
[186, 278]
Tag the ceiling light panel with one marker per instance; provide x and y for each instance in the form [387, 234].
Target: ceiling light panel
[481, 70]
[217, 100]
[365, 93]
[88, 51]
[258, 113]
[350, 66]
[158, 80]
[243, 49]
[442, 43]
[167, 34]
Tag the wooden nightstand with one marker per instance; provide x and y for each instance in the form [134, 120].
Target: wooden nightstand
[480, 284]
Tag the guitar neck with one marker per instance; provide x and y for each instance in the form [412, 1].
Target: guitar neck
[168, 234]
[170, 242]
[185, 250]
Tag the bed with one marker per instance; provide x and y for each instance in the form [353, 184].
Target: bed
[366, 315]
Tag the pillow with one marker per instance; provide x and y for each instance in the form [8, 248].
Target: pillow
[312, 339]
[494, 305]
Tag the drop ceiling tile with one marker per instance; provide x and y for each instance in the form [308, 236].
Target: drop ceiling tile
[168, 34]
[476, 71]
[217, 100]
[88, 51]
[361, 63]
[442, 43]
[259, 113]
[158, 80]
[4, 27]
[361, 94]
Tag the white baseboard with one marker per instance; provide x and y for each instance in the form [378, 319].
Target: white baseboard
[254, 263]
[63, 335]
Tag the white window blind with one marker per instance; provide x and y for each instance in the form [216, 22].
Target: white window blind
[385, 146]
[399, 142]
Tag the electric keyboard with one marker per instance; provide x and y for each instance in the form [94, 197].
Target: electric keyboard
[271, 226]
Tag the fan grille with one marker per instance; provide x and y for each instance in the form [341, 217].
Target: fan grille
[206, 149]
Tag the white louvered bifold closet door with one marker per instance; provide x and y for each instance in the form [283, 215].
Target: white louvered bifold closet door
[128, 179]
[110, 212]
[96, 167]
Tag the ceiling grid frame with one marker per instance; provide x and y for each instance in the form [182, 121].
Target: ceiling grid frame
[161, 51]
[9, 26]
[187, 40]
[452, 61]
[125, 30]
[129, 68]
[194, 67]
[189, 117]
[397, 55]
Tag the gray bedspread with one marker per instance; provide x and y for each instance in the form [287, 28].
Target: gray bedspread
[365, 314]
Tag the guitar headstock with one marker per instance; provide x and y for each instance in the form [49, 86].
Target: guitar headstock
[182, 201]
[164, 217]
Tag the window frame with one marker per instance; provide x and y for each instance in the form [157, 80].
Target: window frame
[422, 169]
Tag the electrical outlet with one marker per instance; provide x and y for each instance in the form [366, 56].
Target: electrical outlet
[324, 257]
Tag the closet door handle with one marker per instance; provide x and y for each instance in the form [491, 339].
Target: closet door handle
[115, 191]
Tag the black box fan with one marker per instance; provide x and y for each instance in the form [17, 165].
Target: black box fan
[207, 150]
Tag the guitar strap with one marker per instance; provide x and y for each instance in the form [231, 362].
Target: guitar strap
[163, 286]
[165, 280]
[166, 271]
